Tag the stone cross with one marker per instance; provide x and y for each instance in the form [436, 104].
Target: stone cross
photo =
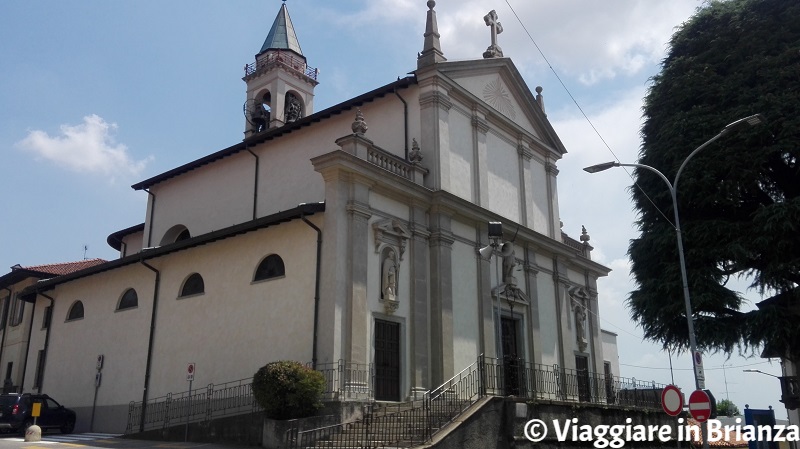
[494, 50]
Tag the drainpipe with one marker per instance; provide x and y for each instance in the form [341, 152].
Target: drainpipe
[46, 339]
[5, 322]
[27, 347]
[152, 211]
[150, 340]
[405, 120]
[316, 289]
[255, 184]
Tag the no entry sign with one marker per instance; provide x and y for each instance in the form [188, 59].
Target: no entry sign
[672, 400]
[700, 406]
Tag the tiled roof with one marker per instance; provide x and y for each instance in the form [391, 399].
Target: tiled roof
[59, 269]
[732, 442]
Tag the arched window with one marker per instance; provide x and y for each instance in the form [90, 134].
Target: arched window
[175, 234]
[129, 300]
[75, 311]
[269, 268]
[193, 285]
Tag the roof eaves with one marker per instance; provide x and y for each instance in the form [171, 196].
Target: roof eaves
[302, 210]
[277, 132]
[114, 239]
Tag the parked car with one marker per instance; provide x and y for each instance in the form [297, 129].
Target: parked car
[16, 411]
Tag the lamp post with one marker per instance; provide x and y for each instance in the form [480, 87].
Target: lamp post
[673, 186]
[759, 371]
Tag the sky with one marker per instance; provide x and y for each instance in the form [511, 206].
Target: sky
[97, 95]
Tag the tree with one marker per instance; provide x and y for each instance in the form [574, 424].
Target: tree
[739, 198]
[726, 407]
[288, 390]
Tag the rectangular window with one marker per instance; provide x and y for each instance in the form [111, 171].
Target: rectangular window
[37, 379]
[17, 311]
[48, 314]
[4, 315]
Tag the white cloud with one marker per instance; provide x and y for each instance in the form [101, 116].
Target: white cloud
[86, 148]
[590, 41]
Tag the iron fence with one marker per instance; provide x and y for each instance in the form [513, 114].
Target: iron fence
[515, 377]
[348, 380]
[283, 59]
[202, 404]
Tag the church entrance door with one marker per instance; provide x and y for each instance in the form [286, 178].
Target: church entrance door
[387, 361]
[513, 365]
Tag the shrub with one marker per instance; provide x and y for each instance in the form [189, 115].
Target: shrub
[288, 390]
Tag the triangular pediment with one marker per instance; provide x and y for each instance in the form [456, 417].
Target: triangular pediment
[498, 84]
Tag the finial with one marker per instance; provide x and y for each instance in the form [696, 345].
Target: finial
[415, 155]
[431, 50]
[494, 50]
[539, 97]
[359, 125]
[584, 235]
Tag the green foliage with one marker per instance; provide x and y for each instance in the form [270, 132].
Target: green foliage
[288, 390]
[739, 198]
[726, 407]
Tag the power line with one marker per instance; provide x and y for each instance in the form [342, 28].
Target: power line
[691, 369]
[585, 116]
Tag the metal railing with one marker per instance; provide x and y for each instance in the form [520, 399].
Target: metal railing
[277, 58]
[202, 404]
[515, 377]
[347, 380]
[418, 421]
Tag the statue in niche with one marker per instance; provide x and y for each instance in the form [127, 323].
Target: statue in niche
[580, 326]
[509, 262]
[294, 111]
[389, 277]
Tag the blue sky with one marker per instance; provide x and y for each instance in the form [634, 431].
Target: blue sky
[98, 95]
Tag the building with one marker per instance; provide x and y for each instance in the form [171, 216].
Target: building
[364, 235]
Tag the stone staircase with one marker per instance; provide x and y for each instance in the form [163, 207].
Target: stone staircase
[396, 425]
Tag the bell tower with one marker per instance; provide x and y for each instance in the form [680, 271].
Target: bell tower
[280, 84]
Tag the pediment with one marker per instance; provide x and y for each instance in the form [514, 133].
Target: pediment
[497, 84]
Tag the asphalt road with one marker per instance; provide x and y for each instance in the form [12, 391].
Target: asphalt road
[56, 440]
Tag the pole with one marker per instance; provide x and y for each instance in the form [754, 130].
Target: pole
[188, 413]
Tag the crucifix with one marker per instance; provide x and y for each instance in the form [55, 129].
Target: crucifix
[494, 50]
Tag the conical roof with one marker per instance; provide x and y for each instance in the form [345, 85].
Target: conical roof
[281, 36]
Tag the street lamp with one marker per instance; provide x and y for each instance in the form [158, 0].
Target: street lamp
[673, 186]
[759, 371]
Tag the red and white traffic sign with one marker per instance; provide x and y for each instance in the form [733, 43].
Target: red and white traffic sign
[700, 406]
[190, 372]
[672, 400]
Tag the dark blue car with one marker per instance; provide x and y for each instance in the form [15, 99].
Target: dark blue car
[16, 411]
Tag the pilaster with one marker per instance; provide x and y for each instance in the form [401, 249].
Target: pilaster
[435, 107]
[441, 275]
[358, 215]
[420, 339]
[481, 155]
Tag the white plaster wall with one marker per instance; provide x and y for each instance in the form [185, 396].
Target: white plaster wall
[390, 207]
[230, 331]
[538, 213]
[548, 320]
[610, 353]
[466, 312]
[503, 178]
[208, 198]
[16, 337]
[133, 243]
[120, 336]
[263, 321]
[461, 154]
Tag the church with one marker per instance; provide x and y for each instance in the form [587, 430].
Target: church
[406, 232]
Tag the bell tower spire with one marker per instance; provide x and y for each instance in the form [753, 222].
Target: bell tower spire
[280, 84]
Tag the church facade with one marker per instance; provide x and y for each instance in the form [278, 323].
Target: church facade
[410, 230]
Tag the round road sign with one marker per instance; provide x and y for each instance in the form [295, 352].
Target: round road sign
[672, 400]
[700, 406]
